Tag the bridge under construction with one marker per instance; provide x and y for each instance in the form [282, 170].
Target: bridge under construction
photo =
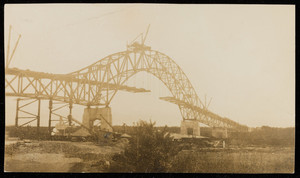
[96, 85]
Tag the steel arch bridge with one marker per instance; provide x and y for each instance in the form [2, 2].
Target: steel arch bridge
[97, 84]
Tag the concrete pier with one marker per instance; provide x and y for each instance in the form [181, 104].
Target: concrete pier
[90, 115]
[190, 127]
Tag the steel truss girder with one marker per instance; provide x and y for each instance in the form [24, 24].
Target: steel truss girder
[61, 88]
[98, 83]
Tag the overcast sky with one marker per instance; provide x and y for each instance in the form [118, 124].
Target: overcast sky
[241, 56]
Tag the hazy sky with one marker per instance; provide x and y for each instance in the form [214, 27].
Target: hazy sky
[242, 56]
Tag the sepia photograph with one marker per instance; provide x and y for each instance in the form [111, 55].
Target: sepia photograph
[149, 88]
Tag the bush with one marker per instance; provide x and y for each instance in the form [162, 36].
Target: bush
[149, 150]
[265, 136]
[28, 132]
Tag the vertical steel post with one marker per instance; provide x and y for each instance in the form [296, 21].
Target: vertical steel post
[50, 114]
[38, 115]
[70, 107]
[17, 113]
[70, 113]
[89, 116]
[107, 80]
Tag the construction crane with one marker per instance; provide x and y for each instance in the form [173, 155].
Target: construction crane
[9, 57]
[139, 46]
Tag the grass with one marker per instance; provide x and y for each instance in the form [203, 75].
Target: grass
[268, 160]
[274, 158]
[11, 149]
[238, 160]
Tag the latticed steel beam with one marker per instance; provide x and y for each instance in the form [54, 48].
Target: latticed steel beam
[59, 87]
[210, 118]
[98, 83]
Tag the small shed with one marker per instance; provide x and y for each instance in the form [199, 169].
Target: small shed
[125, 136]
[81, 133]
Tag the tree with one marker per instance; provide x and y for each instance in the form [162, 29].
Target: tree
[149, 150]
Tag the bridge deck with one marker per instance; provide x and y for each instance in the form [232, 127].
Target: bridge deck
[71, 78]
[206, 112]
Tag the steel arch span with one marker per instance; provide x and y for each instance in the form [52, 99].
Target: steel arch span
[97, 84]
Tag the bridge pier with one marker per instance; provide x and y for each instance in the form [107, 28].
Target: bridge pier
[190, 127]
[90, 115]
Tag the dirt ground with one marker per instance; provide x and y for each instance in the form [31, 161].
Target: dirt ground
[58, 156]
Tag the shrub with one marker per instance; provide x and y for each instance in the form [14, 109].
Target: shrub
[149, 150]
